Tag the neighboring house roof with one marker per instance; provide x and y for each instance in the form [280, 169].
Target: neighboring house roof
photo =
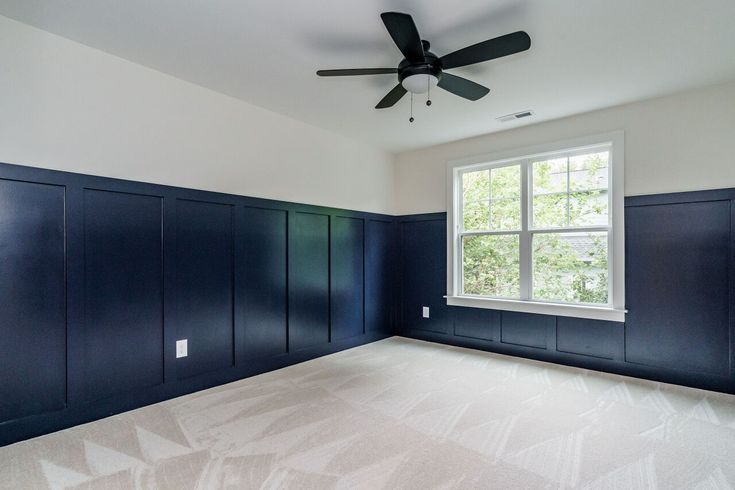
[582, 244]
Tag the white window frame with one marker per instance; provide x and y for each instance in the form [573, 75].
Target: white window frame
[615, 310]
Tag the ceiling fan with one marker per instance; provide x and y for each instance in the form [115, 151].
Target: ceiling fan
[421, 69]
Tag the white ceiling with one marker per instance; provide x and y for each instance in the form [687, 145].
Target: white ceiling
[585, 54]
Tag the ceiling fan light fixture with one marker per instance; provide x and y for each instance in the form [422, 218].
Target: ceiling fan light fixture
[419, 83]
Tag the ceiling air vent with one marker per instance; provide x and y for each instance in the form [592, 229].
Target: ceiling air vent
[517, 115]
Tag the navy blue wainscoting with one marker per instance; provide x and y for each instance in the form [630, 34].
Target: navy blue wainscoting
[309, 281]
[32, 299]
[123, 293]
[348, 277]
[100, 277]
[381, 274]
[680, 318]
[424, 274]
[205, 268]
[680, 296]
[265, 290]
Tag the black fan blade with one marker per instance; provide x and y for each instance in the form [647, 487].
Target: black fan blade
[462, 87]
[392, 97]
[487, 50]
[356, 71]
[404, 33]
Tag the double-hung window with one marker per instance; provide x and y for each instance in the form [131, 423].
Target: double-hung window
[540, 230]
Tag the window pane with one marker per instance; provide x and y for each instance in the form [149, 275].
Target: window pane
[571, 191]
[550, 176]
[550, 200]
[505, 198]
[550, 211]
[492, 199]
[588, 189]
[491, 265]
[505, 182]
[476, 215]
[588, 208]
[476, 186]
[570, 267]
[505, 214]
[588, 172]
[476, 200]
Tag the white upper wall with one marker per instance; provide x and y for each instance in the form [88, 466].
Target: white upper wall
[682, 142]
[69, 107]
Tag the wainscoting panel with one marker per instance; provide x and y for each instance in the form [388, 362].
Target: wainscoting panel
[526, 329]
[348, 277]
[264, 286]
[122, 331]
[204, 285]
[594, 338]
[381, 276]
[423, 274]
[677, 277]
[308, 281]
[32, 299]
[476, 323]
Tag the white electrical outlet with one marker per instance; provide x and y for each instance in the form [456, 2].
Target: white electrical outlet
[426, 312]
[182, 348]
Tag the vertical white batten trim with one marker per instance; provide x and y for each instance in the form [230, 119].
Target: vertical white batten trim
[616, 238]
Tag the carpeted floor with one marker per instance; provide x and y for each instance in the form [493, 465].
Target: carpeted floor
[400, 414]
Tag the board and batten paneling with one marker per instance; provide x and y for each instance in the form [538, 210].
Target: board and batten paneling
[347, 277]
[100, 277]
[679, 294]
[596, 338]
[308, 281]
[526, 329]
[32, 295]
[122, 331]
[476, 323]
[264, 282]
[205, 285]
[677, 279]
[423, 274]
[381, 275]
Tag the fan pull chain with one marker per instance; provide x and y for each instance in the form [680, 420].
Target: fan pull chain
[410, 119]
[428, 92]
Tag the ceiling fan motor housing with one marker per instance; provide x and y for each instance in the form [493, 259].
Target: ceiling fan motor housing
[430, 66]
[417, 77]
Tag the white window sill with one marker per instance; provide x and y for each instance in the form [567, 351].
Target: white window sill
[558, 309]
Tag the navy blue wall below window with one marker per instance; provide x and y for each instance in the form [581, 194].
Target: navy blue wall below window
[679, 295]
[99, 278]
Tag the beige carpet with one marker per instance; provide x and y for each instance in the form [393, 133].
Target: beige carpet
[401, 414]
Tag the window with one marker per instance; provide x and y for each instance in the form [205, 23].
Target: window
[540, 231]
